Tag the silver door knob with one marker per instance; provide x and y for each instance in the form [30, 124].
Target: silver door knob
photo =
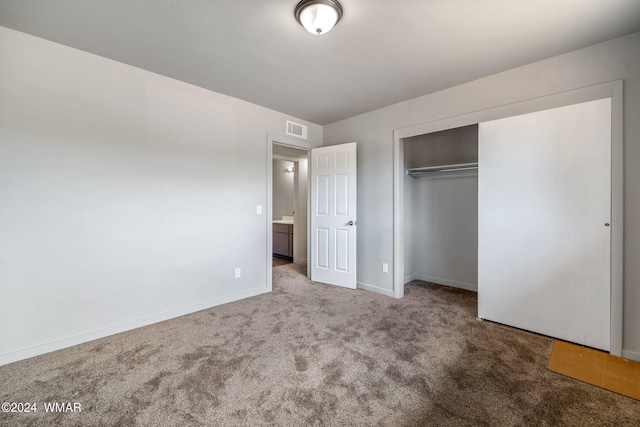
[350, 223]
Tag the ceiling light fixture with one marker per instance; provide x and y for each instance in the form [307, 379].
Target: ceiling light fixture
[318, 16]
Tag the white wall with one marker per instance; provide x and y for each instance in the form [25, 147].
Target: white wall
[445, 230]
[282, 188]
[616, 59]
[125, 197]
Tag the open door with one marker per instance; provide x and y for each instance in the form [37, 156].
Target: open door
[333, 215]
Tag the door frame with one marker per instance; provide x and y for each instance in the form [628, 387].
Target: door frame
[298, 144]
[613, 90]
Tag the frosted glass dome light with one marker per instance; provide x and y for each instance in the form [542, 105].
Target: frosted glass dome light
[318, 16]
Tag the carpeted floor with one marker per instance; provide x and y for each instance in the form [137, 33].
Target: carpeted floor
[277, 261]
[312, 354]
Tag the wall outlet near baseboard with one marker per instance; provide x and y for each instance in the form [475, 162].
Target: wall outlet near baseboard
[385, 267]
[238, 272]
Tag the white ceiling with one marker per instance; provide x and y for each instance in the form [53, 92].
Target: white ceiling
[382, 51]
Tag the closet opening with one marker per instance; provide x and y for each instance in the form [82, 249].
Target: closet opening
[534, 155]
[440, 207]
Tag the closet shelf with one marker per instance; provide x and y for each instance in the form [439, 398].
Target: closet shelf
[428, 170]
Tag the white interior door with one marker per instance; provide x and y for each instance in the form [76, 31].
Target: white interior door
[544, 207]
[333, 215]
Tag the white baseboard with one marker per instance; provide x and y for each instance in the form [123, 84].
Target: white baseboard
[447, 282]
[37, 350]
[376, 289]
[409, 279]
[631, 355]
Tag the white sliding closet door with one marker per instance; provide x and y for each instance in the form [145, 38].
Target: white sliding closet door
[544, 207]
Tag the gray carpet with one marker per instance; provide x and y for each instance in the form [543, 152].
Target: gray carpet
[311, 354]
[277, 261]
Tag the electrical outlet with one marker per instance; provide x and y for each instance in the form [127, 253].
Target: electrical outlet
[238, 272]
[385, 267]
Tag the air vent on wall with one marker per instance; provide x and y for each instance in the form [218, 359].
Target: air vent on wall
[295, 129]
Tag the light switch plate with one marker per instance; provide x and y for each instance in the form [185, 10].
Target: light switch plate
[259, 209]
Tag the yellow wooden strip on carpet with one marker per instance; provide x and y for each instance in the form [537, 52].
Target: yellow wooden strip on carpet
[597, 368]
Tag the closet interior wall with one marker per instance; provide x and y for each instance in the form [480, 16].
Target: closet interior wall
[441, 209]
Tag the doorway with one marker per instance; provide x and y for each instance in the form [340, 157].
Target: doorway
[336, 239]
[287, 214]
[289, 204]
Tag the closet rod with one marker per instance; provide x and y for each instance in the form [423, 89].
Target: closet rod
[416, 172]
